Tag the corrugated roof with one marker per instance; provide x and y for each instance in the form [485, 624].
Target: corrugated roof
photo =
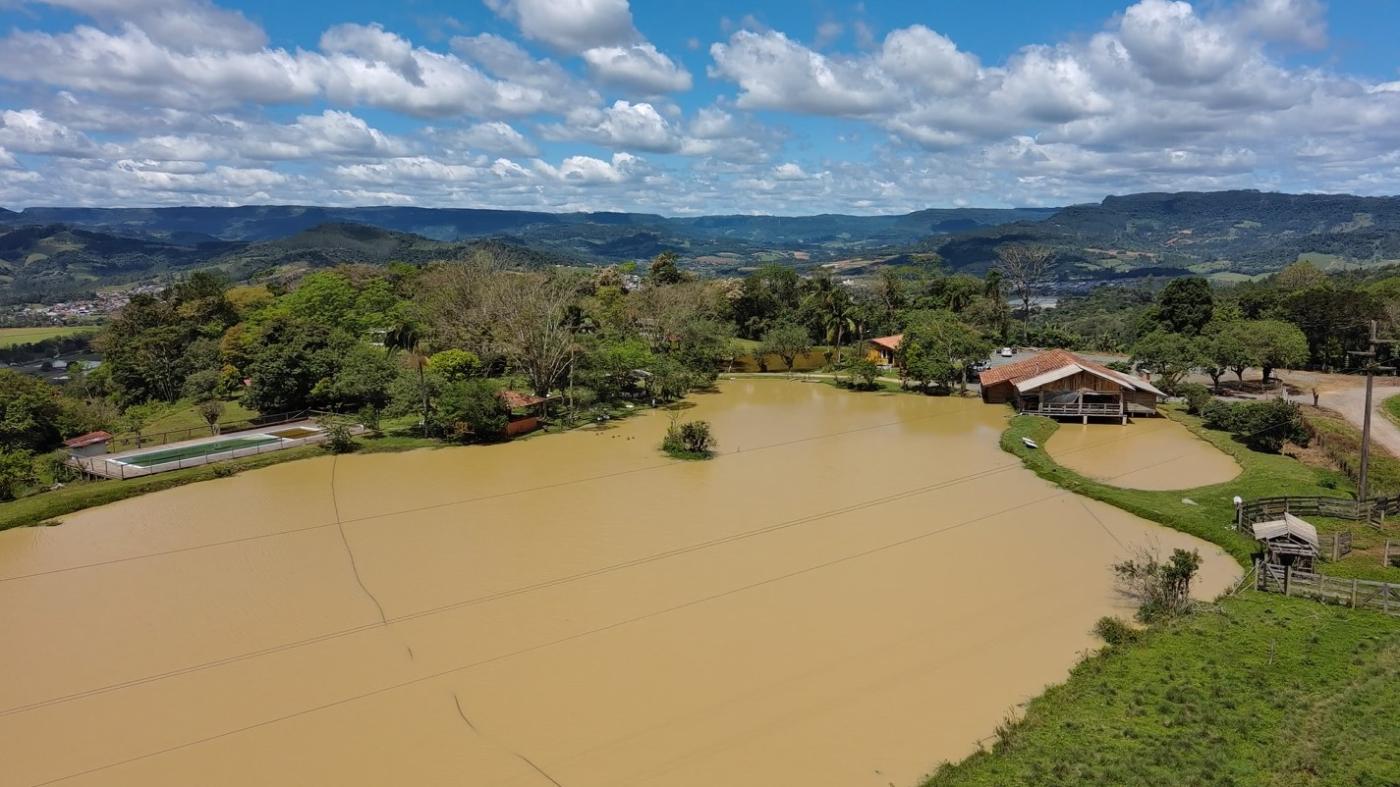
[889, 342]
[516, 400]
[1051, 361]
[1289, 525]
[85, 440]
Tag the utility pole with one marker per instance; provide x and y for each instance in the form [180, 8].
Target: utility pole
[1371, 368]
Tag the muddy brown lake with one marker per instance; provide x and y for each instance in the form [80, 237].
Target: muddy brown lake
[1149, 453]
[858, 587]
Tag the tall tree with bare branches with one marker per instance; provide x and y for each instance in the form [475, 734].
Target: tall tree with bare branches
[1024, 267]
[529, 317]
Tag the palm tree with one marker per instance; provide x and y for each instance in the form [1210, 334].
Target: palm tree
[833, 305]
[405, 336]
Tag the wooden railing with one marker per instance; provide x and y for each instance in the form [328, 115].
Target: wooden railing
[1264, 509]
[1079, 408]
[1355, 593]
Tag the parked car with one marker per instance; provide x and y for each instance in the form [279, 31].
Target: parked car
[1006, 352]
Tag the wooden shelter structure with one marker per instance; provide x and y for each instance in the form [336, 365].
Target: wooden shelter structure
[1289, 541]
[1059, 384]
[883, 348]
[90, 444]
[525, 410]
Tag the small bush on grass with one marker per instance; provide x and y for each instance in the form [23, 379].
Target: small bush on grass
[861, 373]
[339, 438]
[1115, 631]
[689, 440]
[1197, 397]
[1163, 589]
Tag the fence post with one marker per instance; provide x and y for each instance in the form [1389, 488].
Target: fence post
[1287, 580]
[1336, 545]
[1354, 583]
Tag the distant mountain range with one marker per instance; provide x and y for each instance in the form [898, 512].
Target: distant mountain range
[49, 252]
[1225, 234]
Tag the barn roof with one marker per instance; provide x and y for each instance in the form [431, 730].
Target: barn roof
[1053, 365]
[889, 342]
[85, 440]
[516, 400]
[1288, 526]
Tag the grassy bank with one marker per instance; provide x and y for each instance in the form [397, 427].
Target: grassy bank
[1211, 508]
[1259, 690]
[1254, 690]
[46, 507]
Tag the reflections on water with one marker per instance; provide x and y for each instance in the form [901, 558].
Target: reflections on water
[1150, 453]
[858, 588]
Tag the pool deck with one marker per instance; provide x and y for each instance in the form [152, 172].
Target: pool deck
[119, 465]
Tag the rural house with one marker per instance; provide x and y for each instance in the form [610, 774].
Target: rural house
[1059, 383]
[882, 349]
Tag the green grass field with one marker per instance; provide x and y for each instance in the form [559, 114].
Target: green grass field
[10, 337]
[1391, 407]
[1255, 689]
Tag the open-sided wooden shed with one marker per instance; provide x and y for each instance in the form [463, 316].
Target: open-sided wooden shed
[1059, 383]
[1289, 541]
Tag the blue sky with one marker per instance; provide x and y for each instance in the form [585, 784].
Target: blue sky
[694, 107]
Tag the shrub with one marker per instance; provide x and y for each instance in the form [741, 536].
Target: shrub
[1163, 589]
[472, 410]
[339, 438]
[1114, 630]
[1263, 426]
[1197, 396]
[862, 373]
[369, 417]
[225, 471]
[689, 440]
[56, 467]
[16, 473]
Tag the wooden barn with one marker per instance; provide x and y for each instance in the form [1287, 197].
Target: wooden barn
[1061, 384]
[1288, 542]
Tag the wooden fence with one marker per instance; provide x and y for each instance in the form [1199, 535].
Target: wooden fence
[1354, 593]
[1264, 509]
[1334, 547]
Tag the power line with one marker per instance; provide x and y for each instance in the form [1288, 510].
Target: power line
[545, 584]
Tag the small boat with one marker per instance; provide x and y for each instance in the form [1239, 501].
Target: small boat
[1029, 442]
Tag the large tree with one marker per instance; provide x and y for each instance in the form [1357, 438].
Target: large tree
[1024, 267]
[1170, 355]
[938, 348]
[1277, 344]
[787, 340]
[1186, 305]
[530, 317]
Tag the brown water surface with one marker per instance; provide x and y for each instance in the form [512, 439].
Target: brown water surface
[1149, 453]
[860, 586]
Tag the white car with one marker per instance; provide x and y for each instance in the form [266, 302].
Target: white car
[1005, 352]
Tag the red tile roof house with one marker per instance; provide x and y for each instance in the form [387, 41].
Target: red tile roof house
[883, 349]
[1061, 384]
[90, 444]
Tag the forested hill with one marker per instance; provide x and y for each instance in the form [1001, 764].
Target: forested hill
[51, 262]
[269, 222]
[1227, 234]
[1237, 232]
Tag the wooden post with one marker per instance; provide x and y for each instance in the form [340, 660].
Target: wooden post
[1353, 593]
[1287, 580]
[1336, 545]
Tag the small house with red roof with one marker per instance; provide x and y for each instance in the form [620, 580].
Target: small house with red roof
[1059, 384]
[90, 444]
[882, 349]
